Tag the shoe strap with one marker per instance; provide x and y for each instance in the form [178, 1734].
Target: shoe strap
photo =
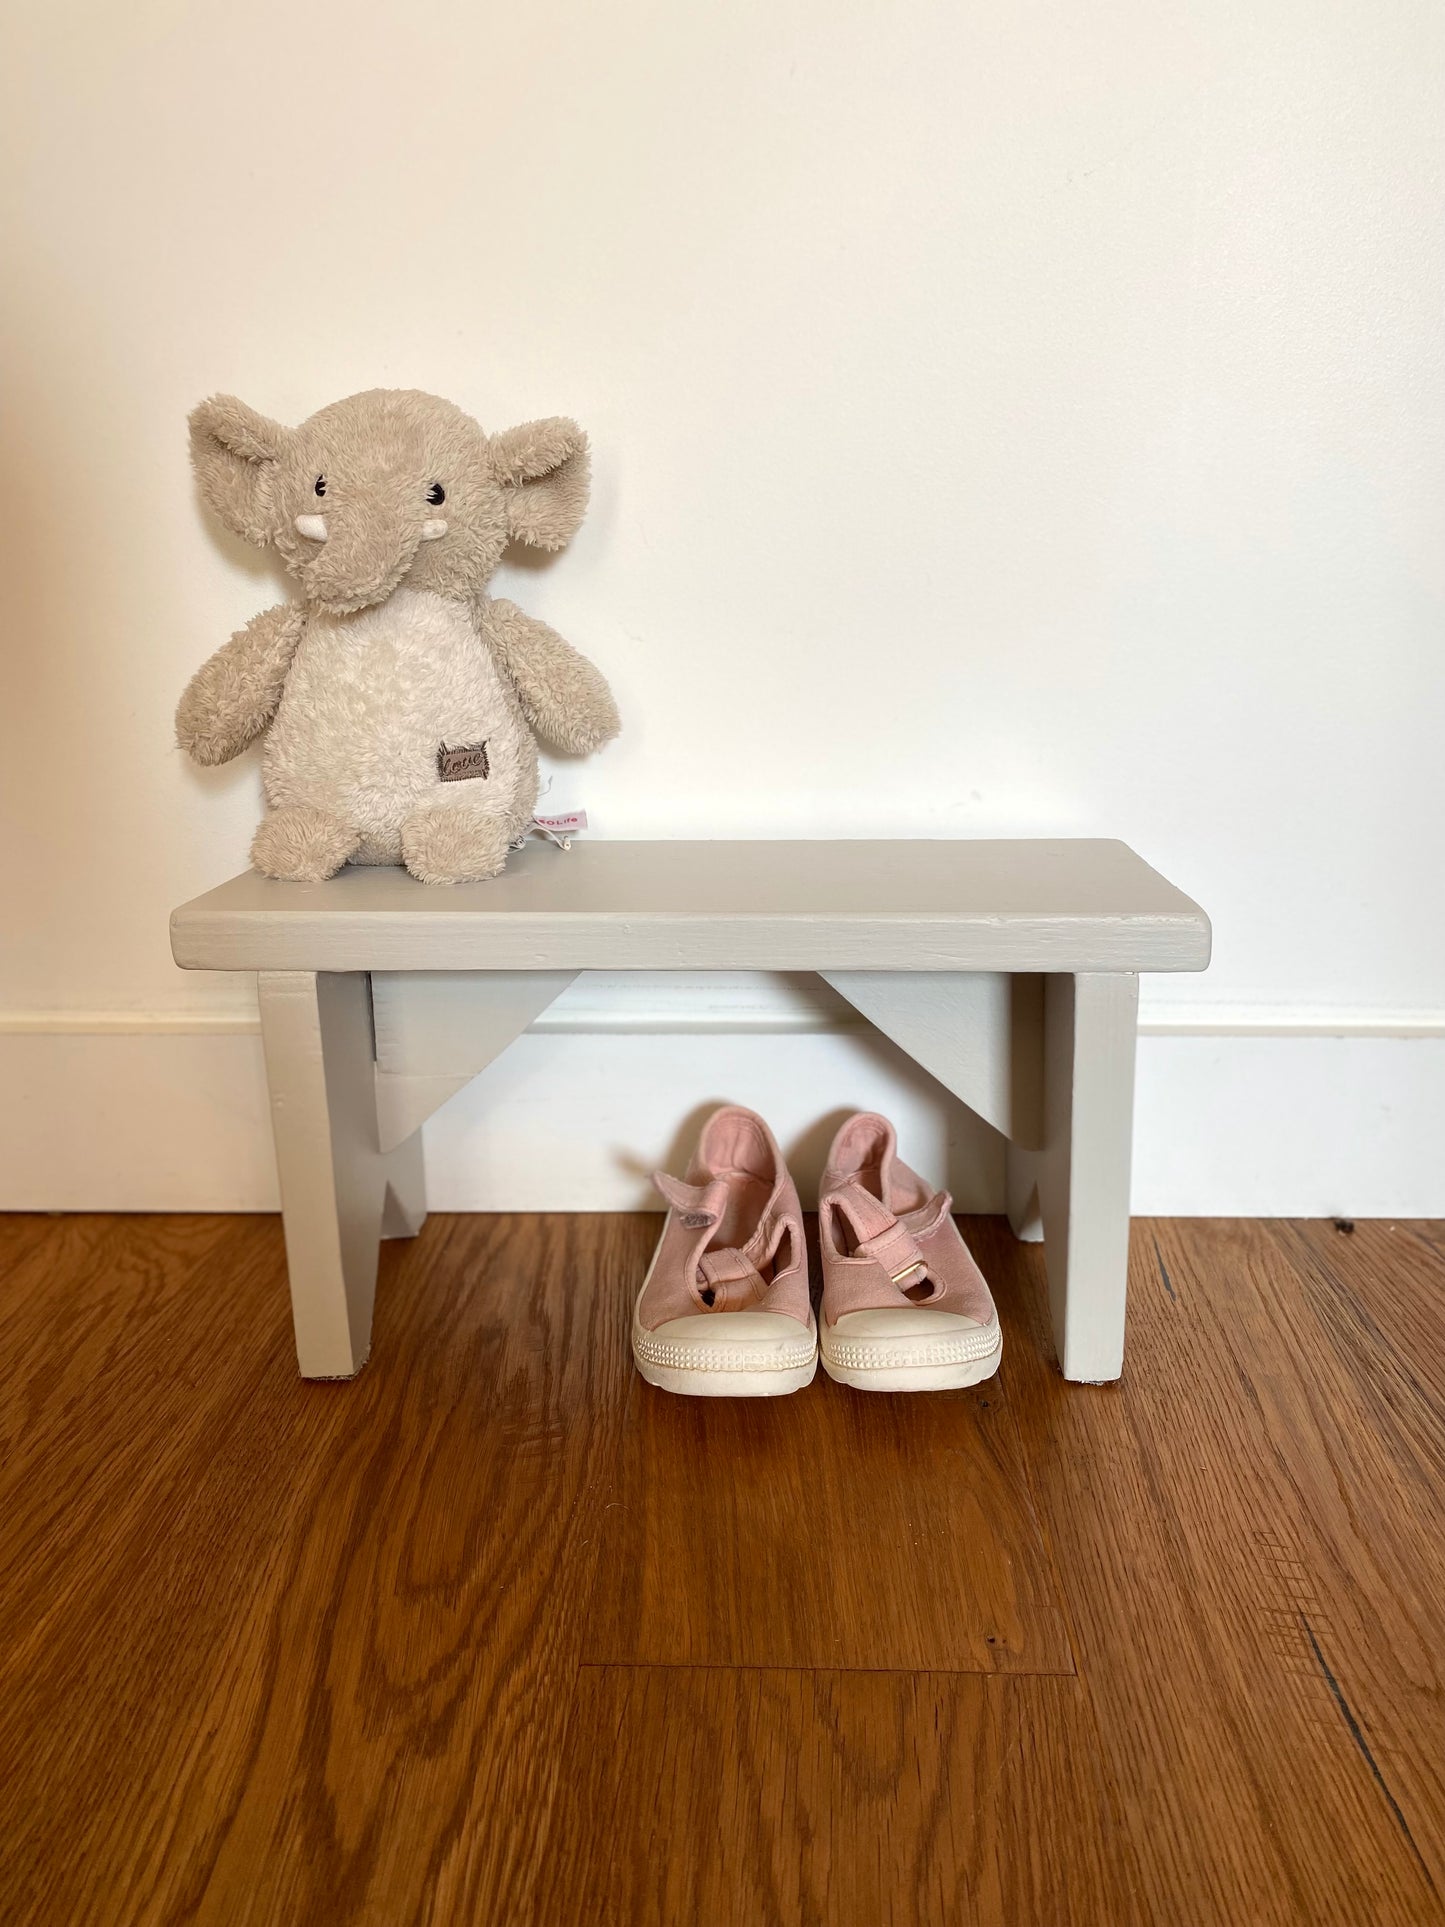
[732, 1277]
[882, 1239]
[698, 1205]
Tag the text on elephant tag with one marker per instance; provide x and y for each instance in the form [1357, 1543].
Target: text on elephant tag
[465, 760]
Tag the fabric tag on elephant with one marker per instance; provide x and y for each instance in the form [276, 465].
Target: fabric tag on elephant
[461, 763]
[559, 829]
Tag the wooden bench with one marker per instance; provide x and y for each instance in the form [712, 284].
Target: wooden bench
[1009, 970]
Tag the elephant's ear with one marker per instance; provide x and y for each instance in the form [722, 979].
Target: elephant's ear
[234, 452]
[544, 469]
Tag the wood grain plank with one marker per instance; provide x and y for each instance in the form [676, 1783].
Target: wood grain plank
[853, 1799]
[108, 1382]
[79, 1304]
[1209, 1534]
[278, 1652]
[833, 1528]
[317, 1665]
[1358, 1435]
[20, 1233]
[1388, 1278]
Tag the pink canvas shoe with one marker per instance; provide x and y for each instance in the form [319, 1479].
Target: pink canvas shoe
[905, 1308]
[724, 1311]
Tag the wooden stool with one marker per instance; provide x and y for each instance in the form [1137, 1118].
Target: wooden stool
[1009, 970]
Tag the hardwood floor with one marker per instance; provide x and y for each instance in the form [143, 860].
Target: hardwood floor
[496, 1633]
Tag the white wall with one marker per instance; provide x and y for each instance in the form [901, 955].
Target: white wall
[1007, 420]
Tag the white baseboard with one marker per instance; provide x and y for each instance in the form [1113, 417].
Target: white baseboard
[1290, 1126]
[167, 1112]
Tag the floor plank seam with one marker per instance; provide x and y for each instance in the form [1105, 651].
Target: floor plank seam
[1041, 1526]
[825, 1666]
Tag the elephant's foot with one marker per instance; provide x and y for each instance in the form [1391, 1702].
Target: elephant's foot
[303, 845]
[445, 844]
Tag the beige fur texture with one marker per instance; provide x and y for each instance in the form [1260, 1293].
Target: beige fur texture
[392, 510]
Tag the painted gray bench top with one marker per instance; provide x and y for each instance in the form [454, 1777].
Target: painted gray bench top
[1049, 904]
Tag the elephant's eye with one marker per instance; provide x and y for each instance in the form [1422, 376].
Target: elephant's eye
[436, 495]
[320, 484]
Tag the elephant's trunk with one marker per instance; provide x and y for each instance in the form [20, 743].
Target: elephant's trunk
[361, 560]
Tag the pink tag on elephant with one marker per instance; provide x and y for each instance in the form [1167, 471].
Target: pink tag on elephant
[557, 829]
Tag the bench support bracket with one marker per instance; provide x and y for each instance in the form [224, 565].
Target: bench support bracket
[979, 1032]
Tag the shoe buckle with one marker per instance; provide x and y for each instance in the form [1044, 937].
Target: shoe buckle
[897, 1277]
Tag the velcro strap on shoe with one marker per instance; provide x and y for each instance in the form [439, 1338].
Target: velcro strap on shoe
[867, 1216]
[896, 1250]
[881, 1239]
[732, 1279]
[698, 1205]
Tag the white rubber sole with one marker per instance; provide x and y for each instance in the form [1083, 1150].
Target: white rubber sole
[694, 1381]
[736, 1354]
[900, 1352]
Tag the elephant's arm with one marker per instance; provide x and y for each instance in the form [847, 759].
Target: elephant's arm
[563, 697]
[231, 698]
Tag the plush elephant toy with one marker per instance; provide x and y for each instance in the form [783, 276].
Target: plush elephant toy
[402, 703]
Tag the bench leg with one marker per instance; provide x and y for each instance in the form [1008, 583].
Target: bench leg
[339, 1194]
[1075, 1191]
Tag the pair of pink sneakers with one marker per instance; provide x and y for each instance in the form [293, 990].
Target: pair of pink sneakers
[725, 1312]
